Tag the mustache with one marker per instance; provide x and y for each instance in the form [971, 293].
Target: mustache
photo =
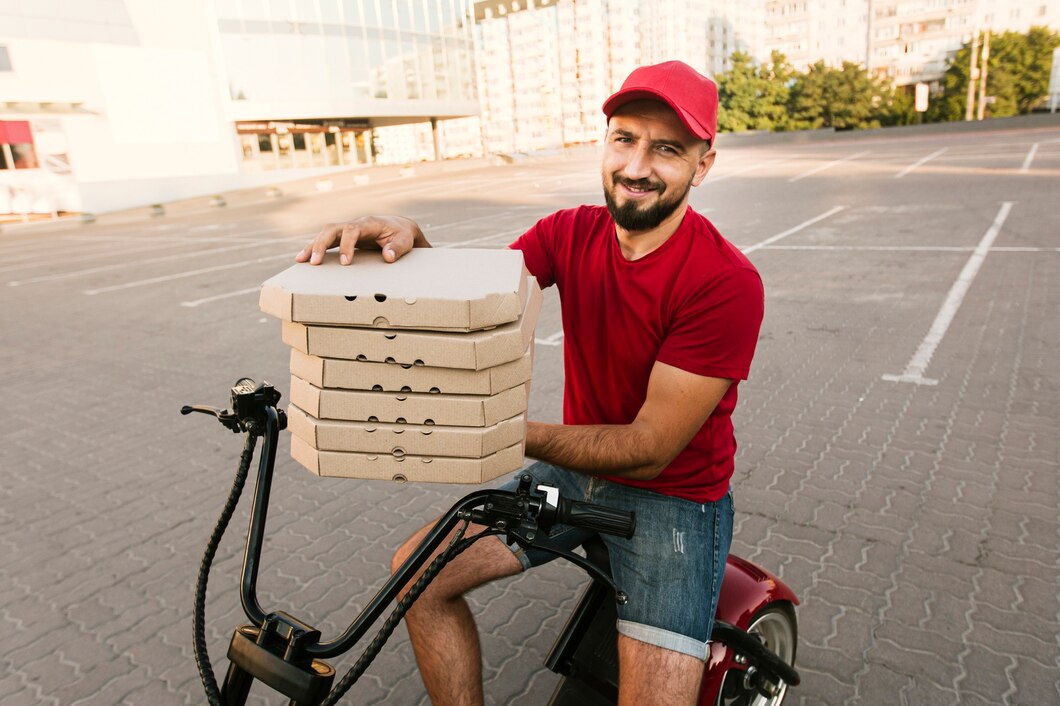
[618, 179]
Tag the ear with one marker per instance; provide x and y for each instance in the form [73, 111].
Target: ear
[706, 161]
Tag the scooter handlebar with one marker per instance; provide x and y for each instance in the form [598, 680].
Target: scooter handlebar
[597, 518]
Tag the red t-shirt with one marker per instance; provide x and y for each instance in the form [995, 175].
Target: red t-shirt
[695, 303]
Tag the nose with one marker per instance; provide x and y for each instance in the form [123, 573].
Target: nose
[639, 164]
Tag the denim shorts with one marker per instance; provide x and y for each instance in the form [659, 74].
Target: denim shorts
[672, 567]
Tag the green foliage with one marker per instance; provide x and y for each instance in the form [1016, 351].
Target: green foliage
[772, 96]
[845, 98]
[754, 97]
[1017, 75]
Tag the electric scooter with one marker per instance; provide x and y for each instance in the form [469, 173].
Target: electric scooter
[753, 645]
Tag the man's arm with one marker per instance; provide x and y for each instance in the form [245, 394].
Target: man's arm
[394, 235]
[676, 407]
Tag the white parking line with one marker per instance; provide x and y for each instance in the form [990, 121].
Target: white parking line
[125, 264]
[206, 300]
[919, 163]
[1029, 158]
[909, 248]
[182, 275]
[914, 372]
[791, 231]
[826, 165]
[555, 339]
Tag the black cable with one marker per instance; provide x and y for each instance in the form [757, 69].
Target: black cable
[202, 656]
[455, 548]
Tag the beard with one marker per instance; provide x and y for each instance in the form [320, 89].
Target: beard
[632, 216]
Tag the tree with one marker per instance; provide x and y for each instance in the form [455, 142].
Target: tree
[844, 98]
[1017, 75]
[754, 97]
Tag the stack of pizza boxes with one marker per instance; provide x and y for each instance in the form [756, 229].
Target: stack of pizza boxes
[417, 370]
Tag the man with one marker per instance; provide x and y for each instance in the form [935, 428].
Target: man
[661, 317]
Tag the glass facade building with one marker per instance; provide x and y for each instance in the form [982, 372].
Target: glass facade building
[308, 80]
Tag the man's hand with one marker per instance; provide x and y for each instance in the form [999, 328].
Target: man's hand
[676, 407]
[394, 235]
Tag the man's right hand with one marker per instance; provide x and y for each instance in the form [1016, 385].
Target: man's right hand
[394, 235]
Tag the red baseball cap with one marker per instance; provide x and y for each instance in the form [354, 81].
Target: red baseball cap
[693, 96]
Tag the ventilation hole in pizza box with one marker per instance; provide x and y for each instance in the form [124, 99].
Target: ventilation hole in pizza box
[398, 453]
[362, 357]
[390, 336]
[418, 362]
[401, 398]
[410, 300]
[353, 298]
[426, 432]
[389, 359]
[372, 457]
[398, 478]
[429, 422]
[380, 298]
[435, 391]
[398, 431]
[381, 322]
[426, 460]
[373, 419]
[406, 366]
[370, 430]
[377, 388]
[400, 420]
[406, 388]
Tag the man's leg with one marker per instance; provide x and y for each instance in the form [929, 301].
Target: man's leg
[648, 674]
[440, 624]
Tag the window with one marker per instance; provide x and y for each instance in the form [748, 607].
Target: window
[16, 144]
[5, 59]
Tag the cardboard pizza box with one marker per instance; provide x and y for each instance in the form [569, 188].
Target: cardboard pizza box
[429, 289]
[474, 350]
[392, 377]
[410, 407]
[417, 469]
[405, 439]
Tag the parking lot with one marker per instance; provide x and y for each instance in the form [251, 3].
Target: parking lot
[899, 452]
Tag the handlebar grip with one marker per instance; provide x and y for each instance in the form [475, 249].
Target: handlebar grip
[596, 517]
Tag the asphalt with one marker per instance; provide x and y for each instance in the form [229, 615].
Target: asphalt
[899, 448]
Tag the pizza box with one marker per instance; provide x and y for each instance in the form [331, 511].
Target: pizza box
[428, 288]
[405, 439]
[391, 377]
[410, 407]
[474, 350]
[416, 469]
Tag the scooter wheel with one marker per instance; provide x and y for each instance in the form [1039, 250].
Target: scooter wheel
[778, 629]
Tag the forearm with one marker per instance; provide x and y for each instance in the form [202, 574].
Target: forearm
[623, 450]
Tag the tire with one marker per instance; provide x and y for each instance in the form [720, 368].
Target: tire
[778, 628]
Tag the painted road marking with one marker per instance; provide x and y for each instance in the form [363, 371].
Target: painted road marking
[910, 248]
[555, 339]
[206, 300]
[149, 261]
[826, 165]
[914, 372]
[1029, 158]
[919, 163]
[791, 231]
[182, 275]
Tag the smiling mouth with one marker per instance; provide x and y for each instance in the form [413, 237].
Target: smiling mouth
[636, 188]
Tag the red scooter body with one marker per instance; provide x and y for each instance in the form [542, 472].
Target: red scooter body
[746, 591]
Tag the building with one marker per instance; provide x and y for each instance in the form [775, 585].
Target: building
[911, 41]
[118, 103]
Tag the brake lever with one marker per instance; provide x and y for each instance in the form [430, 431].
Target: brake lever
[227, 418]
[533, 539]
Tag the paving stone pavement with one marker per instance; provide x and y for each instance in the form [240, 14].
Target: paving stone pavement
[918, 524]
